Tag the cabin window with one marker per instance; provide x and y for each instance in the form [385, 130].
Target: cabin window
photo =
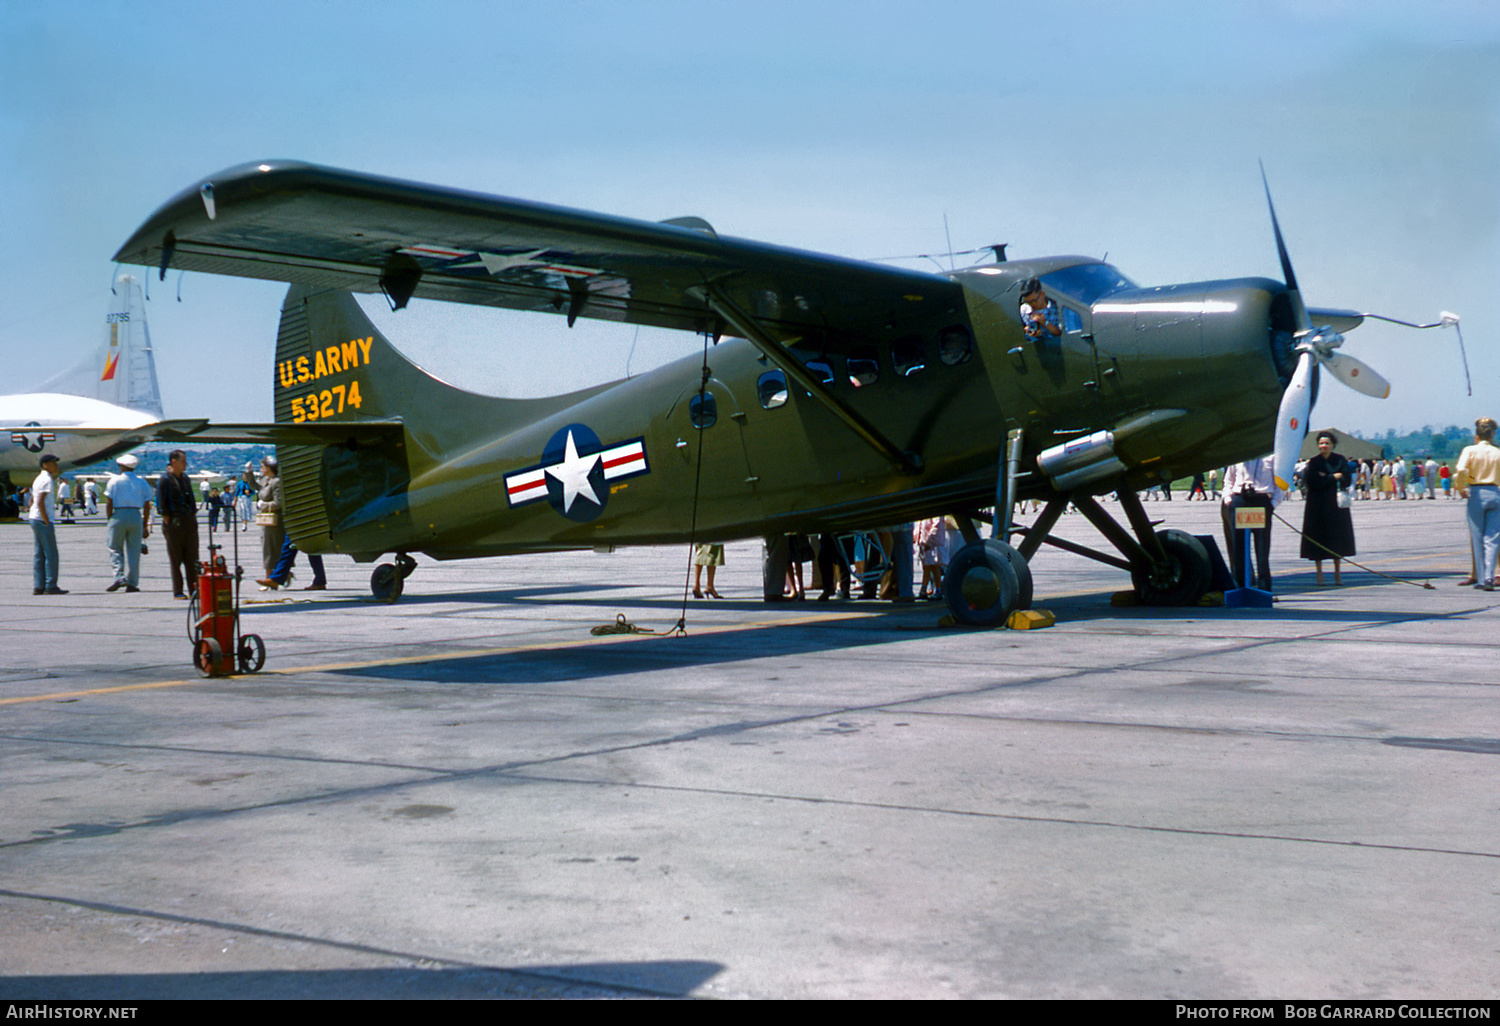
[1072, 320]
[822, 370]
[864, 367]
[703, 410]
[771, 388]
[908, 356]
[955, 345]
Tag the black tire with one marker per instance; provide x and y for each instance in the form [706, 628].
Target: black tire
[252, 653]
[1182, 580]
[387, 582]
[1023, 578]
[982, 587]
[208, 657]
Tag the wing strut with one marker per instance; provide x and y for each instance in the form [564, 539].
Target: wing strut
[744, 324]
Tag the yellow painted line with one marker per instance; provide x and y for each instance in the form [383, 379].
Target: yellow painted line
[1412, 559]
[607, 639]
[60, 695]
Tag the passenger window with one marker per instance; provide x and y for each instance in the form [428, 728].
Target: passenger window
[822, 370]
[772, 389]
[908, 356]
[703, 411]
[955, 345]
[864, 367]
[1072, 320]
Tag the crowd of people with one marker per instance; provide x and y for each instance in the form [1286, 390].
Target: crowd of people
[253, 501]
[874, 560]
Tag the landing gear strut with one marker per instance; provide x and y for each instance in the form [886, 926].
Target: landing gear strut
[1167, 568]
[389, 579]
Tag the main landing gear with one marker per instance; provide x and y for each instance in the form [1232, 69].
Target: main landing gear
[985, 582]
[987, 579]
[388, 580]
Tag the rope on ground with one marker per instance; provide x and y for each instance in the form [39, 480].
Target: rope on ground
[621, 626]
[1334, 555]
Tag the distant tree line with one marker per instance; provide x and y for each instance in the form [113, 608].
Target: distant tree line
[1440, 444]
[228, 460]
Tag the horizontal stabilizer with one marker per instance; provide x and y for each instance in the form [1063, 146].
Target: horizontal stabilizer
[349, 434]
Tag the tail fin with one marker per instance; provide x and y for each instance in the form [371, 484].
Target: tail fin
[333, 364]
[122, 371]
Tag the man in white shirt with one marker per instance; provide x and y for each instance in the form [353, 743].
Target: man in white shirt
[44, 529]
[127, 503]
[1251, 484]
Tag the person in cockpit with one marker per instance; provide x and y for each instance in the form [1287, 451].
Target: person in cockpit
[1038, 313]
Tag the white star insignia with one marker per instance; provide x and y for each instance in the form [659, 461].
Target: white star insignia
[573, 474]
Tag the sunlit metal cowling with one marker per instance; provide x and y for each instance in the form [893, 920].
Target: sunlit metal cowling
[1081, 461]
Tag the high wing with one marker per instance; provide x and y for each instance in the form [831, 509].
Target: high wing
[302, 223]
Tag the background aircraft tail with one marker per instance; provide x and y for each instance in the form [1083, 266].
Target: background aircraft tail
[122, 370]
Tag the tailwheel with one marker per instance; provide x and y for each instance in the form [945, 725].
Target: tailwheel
[387, 583]
[986, 581]
[1179, 580]
[208, 657]
[252, 653]
[389, 579]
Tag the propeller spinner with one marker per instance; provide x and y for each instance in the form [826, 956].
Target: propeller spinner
[1315, 348]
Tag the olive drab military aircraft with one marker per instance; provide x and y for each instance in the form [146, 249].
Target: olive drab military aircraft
[837, 394]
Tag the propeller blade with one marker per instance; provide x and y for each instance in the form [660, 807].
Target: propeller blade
[1299, 310]
[1291, 420]
[1358, 375]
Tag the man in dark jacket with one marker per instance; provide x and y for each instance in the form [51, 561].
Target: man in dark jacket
[179, 522]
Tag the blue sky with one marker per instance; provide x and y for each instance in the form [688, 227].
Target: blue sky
[1131, 129]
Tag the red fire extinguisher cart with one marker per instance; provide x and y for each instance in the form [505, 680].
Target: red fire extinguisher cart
[214, 617]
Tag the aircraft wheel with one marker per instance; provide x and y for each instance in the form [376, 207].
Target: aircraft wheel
[252, 653]
[387, 582]
[982, 586]
[208, 657]
[1182, 580]
[1023, 578]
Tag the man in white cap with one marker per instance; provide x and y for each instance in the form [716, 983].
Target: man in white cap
[127, 502]
[43, 519]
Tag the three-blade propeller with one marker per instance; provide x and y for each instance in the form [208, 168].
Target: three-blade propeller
[1315, 348]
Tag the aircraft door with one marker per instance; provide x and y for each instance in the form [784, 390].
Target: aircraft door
[708, 432]
[1057, 366]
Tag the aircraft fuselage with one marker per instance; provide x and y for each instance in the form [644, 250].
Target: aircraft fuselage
[1183, 378]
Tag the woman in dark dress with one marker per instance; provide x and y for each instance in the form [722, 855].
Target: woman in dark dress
[1327, 528]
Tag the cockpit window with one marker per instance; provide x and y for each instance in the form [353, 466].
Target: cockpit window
[1087, 283]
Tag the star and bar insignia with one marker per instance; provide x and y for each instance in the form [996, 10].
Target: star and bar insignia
[32, 441]
[575, 471]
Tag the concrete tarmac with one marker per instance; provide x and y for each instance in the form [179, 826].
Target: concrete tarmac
[466, 794]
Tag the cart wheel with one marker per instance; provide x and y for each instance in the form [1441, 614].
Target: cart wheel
[208, 657]
[252, 653]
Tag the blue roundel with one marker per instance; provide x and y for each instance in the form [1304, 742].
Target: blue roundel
[575, 473]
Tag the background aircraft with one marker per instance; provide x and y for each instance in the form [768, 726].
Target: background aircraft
[850, 395]
[108, 403]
